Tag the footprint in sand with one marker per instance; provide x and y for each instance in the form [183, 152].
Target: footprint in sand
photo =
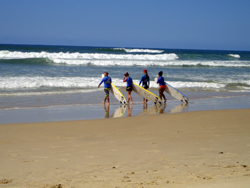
[54, 186]
[5, 181]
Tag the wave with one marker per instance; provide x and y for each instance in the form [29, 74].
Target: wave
[49, 83]
[100, 59]
[160, 63]
[234, 55]
[140, 50]
[85, 56]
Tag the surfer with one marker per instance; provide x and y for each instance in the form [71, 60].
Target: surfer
[162, 86]
[129, 87]
[107, 85]
[145, 82]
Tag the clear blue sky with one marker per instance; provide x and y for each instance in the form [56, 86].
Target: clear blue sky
[178, 24]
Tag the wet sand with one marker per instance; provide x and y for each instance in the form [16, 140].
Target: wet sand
[115, 110]
[189, 149]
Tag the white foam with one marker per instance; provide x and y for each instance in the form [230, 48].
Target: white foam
[208, 63]
[85, 56]
[84, 82]
[99, 59]
[234, 55]
[140, 50]
[56, 82]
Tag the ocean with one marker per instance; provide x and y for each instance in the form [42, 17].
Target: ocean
[43, 76]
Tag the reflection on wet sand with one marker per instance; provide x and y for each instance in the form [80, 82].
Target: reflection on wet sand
[159, 109]
[179, 108]
[106, 110]
[155, 109]
[119, 112]
[130, 109]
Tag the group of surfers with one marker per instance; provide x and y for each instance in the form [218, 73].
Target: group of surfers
[145, 81]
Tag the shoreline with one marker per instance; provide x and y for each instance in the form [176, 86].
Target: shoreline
[190, 149]
[98, 111]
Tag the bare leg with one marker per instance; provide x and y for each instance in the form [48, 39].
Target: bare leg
[130, 97]
[143, 102]
[106, 98]
[161, 94]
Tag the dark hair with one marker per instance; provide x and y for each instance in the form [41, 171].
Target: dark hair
[126, 74]
[106, 73]
[160, 73]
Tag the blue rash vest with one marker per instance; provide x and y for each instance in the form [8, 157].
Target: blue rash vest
[144, 80]
[129, 81]
[160, 81]
[107, 82]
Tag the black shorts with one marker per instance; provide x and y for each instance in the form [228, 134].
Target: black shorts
[145, 86]
[129, 88]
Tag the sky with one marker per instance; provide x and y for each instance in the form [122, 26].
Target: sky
[171, 24]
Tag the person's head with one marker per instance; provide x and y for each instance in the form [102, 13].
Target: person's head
[126, 74]
[106, 73]
[145, 71]
[160, 73]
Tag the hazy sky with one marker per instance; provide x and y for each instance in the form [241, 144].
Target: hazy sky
[178, 24]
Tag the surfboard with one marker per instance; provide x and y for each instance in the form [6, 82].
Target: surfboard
[174, 92]
[146, 94]
[118, 95]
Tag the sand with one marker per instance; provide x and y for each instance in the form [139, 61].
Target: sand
[190, 149]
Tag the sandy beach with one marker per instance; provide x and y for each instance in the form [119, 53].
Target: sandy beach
[189, 149]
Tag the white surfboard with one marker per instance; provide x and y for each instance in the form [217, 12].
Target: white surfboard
[118, 95]
[146, 94]
[174, 92]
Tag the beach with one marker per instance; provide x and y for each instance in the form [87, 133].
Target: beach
[189, 149]
[55, 132]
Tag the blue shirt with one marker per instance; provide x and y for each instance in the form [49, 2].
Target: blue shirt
[144, 80]
[160, 81]
[129, 82]
[107, 82]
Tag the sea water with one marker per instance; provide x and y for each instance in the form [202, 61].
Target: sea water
[42, 76]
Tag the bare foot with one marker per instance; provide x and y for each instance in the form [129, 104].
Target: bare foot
[107, 103]
[103, 102]
[143, 102]
[165, 101]
[131, 102]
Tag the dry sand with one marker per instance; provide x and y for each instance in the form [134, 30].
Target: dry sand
[192, 149]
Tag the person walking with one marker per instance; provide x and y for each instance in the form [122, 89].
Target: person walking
[145, 82]
[107, 85]
[129, 87]
[162, 86]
